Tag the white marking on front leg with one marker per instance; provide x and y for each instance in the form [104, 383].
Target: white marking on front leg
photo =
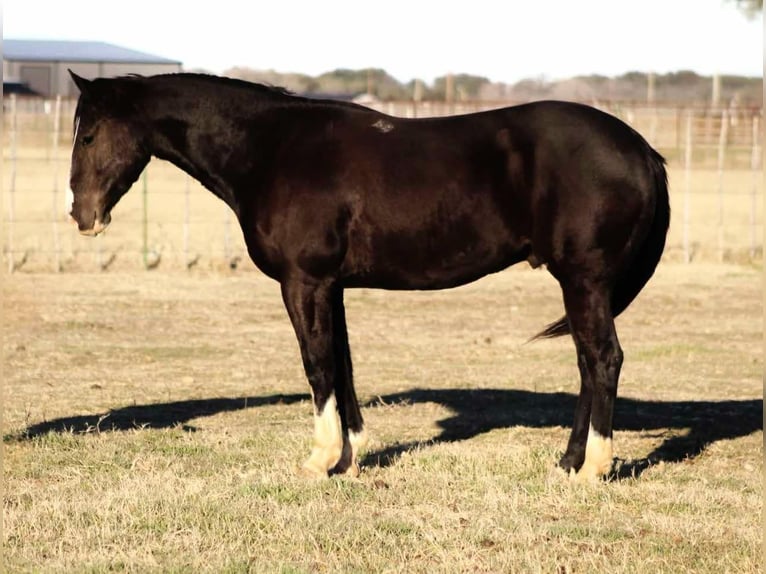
[328, 440]
[598, 457]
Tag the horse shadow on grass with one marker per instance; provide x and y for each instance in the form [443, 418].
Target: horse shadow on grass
[473, 412]
[478, 411]
[175, 414]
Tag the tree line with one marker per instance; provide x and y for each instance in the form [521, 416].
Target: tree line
[675, 87]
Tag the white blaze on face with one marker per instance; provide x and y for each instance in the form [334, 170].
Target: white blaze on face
[69, 195]
[68, 202]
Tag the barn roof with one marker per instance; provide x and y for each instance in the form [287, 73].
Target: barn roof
[75, 51]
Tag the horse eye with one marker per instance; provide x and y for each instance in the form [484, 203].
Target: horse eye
[87, 140]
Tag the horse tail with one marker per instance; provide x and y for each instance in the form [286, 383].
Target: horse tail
[638, 271]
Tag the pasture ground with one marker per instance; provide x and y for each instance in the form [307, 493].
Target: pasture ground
[153, 421]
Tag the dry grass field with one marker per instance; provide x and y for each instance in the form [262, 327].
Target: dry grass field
[153, 421]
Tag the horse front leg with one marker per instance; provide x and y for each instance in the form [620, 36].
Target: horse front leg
[309, 305]
[352, 424]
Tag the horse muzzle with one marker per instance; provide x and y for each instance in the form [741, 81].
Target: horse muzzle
[98, 226]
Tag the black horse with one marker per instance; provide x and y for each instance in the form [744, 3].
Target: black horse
[333, 195]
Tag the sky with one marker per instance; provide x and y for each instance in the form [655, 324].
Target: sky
[503, 40]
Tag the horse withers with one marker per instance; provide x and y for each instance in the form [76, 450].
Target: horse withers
[333, 195]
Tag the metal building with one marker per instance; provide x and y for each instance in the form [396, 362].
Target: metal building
[41, 65]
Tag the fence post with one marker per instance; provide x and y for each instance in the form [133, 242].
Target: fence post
[722, 136]
[755, 160]
[688, 182]
[227, 234]
[186, 222]
[56, 207]
[653, 122]
[12, 185]
[417, 97]
[145, 221]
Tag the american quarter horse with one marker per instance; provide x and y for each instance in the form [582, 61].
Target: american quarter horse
[333, 195]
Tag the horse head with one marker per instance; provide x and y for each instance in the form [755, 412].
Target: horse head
[110, 148]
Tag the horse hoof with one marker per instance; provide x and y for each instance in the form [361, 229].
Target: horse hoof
[569, 463]
[351, 471]
[311, 472]
[588, 474]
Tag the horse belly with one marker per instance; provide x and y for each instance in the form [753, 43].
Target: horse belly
[435, 256]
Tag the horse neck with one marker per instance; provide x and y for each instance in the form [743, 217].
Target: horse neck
[215, 142]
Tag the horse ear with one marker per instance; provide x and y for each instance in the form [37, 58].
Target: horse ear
[82, 84]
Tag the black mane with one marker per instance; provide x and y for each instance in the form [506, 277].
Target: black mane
[265, 92]
[264, 89]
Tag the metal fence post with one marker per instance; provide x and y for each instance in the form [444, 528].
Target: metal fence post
[722, 136]
[688, 186]
[187, 187]
[56, 213]
[755, 164]
[145, 221]
[12, 184]
[227, 234]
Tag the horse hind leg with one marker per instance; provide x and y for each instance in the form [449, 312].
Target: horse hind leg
[599, 358]
[574, 456]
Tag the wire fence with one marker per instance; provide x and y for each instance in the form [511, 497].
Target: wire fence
[169, 220]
